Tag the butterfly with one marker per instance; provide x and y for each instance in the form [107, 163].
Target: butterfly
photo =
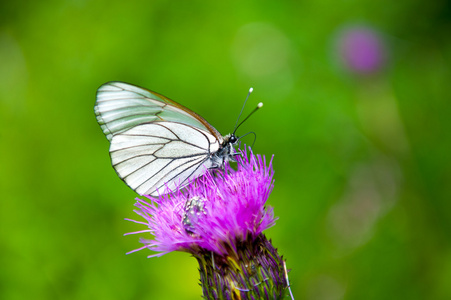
[156, 144]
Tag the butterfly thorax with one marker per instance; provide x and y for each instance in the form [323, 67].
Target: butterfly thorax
[225, 153]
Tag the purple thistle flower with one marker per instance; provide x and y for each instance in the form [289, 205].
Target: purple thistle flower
[213, 212]
[220, 218]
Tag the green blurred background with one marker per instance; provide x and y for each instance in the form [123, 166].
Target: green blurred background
[362, 159]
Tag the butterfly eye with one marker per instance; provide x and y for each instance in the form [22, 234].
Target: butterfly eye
[233, 139]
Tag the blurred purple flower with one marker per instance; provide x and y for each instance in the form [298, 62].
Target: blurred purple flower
[362, 49]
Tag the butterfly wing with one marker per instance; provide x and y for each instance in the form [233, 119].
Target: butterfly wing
[155, 142]
[121, 106]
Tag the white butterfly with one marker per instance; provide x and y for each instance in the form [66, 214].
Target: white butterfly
[156, 142]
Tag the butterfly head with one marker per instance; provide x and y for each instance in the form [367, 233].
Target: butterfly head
[228, 146]
[231, 139]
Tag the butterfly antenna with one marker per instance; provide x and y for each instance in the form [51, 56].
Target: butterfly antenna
[241, 112]
[255, 137]
[242, 108]
[252, 112]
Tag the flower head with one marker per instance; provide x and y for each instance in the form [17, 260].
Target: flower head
[214, 211]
